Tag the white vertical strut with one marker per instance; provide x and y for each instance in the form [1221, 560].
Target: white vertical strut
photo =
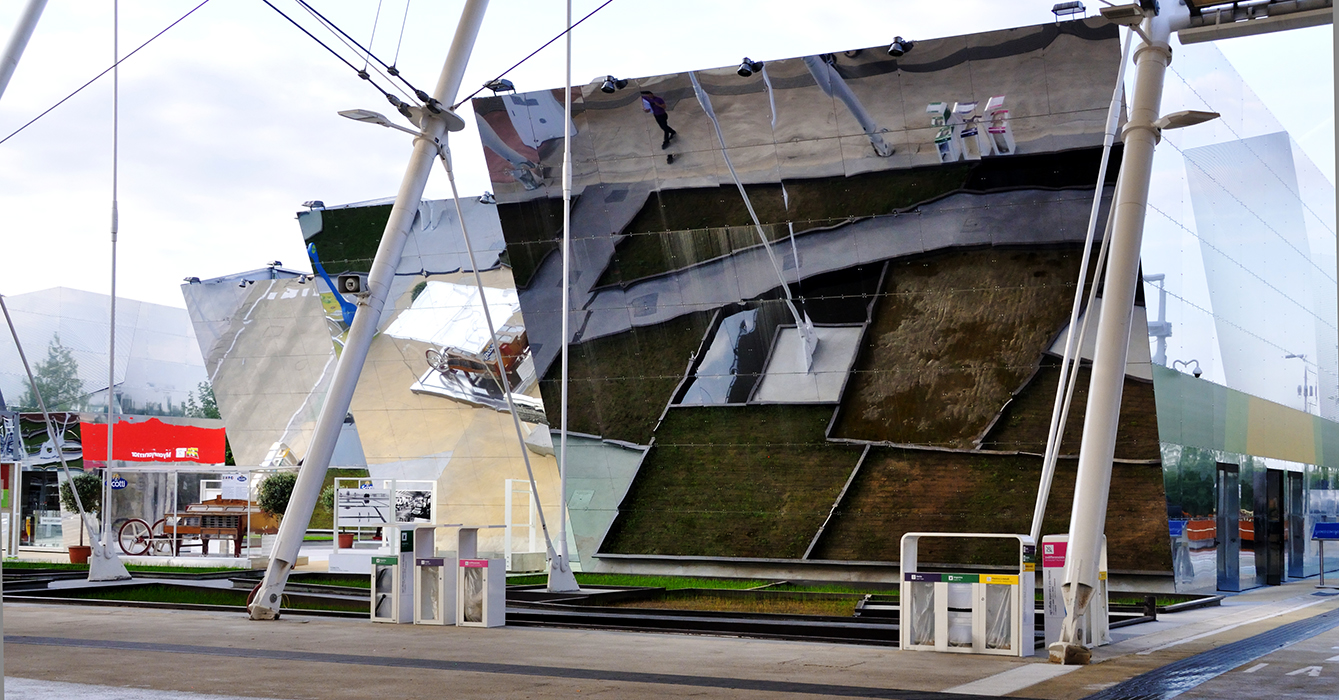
[561, 578]
[1093, 483]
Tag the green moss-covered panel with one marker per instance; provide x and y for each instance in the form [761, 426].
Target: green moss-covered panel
[901, 490]
[1027, 419]
[954, 334]
[738, 481]
[619, 385]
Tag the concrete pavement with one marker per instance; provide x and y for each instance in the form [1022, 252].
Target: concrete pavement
[297, 657]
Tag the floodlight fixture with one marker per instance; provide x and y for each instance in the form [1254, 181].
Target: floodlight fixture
[611, 84]
[192, 280]
[1184, 118]
[1128, 15]
[275, 263]
[900, 46]
[500, 85]
[314, 204]
[748, 67]
[1068, 10]
[487, 198]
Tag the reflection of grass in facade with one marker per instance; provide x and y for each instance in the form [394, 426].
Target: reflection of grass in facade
[1027, 419]
[618, 385]
[843, 607]
[754, 481]
[349, 238]
[532, 230]
[678, 228]
[954, 334]
[901, 490]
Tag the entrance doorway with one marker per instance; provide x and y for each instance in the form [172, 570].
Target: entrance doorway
[1228, 527]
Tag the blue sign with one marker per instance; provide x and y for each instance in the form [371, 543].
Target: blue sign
[117, 483]
[1177, 528]
[1325, 531]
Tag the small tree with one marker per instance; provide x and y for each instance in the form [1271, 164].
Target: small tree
[90, 495]
[206, 406]
[275, 492]
[57, 377]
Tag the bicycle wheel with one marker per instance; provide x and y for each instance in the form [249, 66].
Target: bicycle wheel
[135, 537]
[164, 542]
[436, 360]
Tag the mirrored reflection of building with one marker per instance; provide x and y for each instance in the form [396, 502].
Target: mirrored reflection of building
[429, 405]
[926, 215]
[159, 376]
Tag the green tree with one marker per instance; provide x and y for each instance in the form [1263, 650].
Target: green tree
[206, 406]
[57, 378]
[275, 491]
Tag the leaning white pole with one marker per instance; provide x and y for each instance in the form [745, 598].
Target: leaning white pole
[1101, 419]
[1073, 339]
[18, 41]
[293, 527]
[561, 578]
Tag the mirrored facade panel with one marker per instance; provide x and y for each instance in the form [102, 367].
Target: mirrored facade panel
[795, 261]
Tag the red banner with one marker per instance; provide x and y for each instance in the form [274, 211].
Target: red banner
[153, 441]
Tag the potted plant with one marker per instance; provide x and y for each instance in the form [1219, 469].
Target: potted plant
[89, 486]
[343, 540]
[273, 496]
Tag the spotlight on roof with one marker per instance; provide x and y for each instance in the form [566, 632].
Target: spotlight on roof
[274, 263]
[192, 280]
[748, 67]
[1068, 10]
[314, 204]
[500, 85]
[487, 198]
[900, 46]
[611, 84]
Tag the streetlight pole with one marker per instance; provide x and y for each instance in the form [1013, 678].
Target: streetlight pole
[1093, 482]
[293, 527]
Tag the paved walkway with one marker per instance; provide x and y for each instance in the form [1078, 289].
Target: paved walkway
[213, 654]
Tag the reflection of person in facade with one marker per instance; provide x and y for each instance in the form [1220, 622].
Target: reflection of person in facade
[656, 106]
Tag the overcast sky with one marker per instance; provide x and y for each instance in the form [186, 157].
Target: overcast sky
[228, 120]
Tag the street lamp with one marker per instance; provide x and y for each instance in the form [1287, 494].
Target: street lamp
[367, 116]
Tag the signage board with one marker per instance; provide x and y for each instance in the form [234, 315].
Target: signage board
[364, 506]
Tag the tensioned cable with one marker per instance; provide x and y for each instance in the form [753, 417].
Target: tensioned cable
[532, 54]
[395, 72]
[1245, 269]
[358, 50]
[371, 39]
[444, 155]
[400, 41]
[105, 72]
[1262, 220]
[1074, 336]
[361, 73]
[1228, 126]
